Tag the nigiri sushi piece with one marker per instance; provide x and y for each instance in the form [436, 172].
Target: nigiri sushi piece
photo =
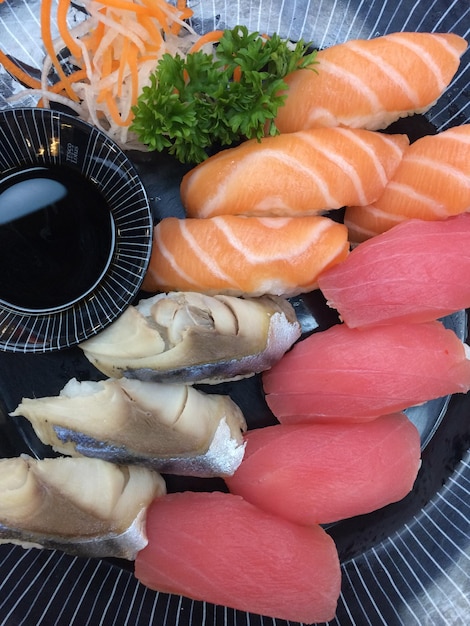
[322, 473]
[219, 548]
[350, 374]
[431, 183]
[415, 272]
[371, 83]
[244, 255]
[302, 173]
[85, 507]
[190, 337]
[170, 428]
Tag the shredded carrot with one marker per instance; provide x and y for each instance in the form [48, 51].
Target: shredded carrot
[62, 12]
[115, 49]
[237, 74]
[211, 37]
[16, 71]
[46, 33]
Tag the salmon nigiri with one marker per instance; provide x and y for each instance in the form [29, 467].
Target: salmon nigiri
[371, 83]
[300, 173]
[415, 272]
[244, 255]
[432, 182]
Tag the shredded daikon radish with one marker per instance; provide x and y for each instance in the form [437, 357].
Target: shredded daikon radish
[114, 50]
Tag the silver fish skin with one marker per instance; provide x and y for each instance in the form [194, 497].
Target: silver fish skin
[192, 338]
[168, 428]
[84, 507]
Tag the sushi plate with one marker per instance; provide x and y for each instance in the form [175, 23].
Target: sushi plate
[407, 564]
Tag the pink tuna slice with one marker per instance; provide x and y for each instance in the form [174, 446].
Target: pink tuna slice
[321, 473]
[358, 374]
[415, 272]
[219, 548]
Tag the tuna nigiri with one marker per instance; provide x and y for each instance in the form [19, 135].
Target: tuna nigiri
[432, 182]
[351, 374]
[219, 548]
[244, 255]
[417, 271]
[300, 173]
[321, 473]
[371, 83]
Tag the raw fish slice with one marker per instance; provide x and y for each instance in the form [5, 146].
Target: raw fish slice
[84, 507]
[204, 339]
[244, 255]
[371, 83]
[322, 473]
[169, 428]
[219, 548]
[350, 374]
[415, 272]
[301, 173]
[432, 182]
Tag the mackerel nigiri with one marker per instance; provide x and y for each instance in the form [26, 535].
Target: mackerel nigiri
[371, 83]
[301, 173]
[239, 255]
[415, 272]
[352, 374]
[432, 182]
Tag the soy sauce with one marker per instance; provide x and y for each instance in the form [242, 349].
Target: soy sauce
[56, 237]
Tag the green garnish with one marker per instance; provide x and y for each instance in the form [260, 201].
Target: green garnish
[194, 103]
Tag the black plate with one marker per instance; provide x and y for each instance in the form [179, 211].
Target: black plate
[407, 564]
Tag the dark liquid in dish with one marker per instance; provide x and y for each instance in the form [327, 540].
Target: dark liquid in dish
[56, 237]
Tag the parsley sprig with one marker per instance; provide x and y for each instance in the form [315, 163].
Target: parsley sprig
[194, 104]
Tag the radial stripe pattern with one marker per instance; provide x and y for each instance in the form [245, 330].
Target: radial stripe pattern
[416, 575]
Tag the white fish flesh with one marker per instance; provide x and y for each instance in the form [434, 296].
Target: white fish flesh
[171, 428]
[186, 337]
[85, 507]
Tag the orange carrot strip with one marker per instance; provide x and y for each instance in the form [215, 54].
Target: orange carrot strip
[18, 73]
[92, 39]
[114, 111]
[125, 5]
[62, 11]
[124, 60]
[237, 74]
[46, 35]
[73, 78]
[184, 15]
[106, 69]
[158, 13]
[155, 35]
[211, 37]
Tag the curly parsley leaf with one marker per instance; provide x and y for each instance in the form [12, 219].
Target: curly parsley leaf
[194, 103]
